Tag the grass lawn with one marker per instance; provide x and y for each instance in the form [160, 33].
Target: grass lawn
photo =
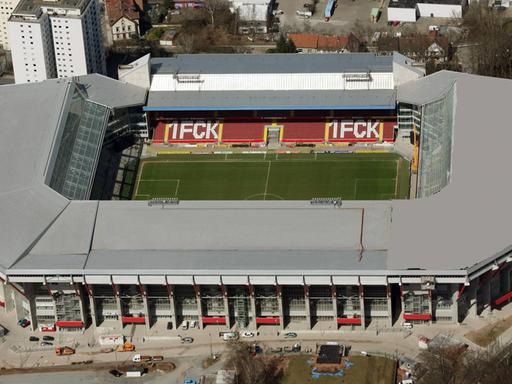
[489, 333]
[274, 177]
[366, 370]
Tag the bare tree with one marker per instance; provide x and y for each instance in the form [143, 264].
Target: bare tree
[214, 7]
[250, 369]
[487, 33]
[449, 365]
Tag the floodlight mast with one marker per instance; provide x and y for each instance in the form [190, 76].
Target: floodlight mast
[334, 201]
[163, 201]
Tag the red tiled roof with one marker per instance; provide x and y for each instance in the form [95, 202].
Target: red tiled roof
[304, 40]
[119, 8]
[319, 42]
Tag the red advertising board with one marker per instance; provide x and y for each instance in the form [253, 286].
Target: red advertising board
[319, 130]
[69, 324]
[214, 320]
[348, 130]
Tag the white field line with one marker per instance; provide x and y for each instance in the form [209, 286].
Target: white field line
[266, 182]
[396, 178]
[177, 187]
[177, 181]
[137, 179]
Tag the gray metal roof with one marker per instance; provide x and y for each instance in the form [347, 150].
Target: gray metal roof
[465, 223]
[111, 93]
[469, 220]
[29, 114]
[29, 209]
[231, 225]
[272, 63]
[233, 262]
[249, 100]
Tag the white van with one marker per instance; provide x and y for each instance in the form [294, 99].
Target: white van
[407, 325]
[184, 325]
[230, 336]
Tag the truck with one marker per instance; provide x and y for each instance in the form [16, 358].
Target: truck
[64, 351]
[329, 9]
[138, 358]
[304, 13]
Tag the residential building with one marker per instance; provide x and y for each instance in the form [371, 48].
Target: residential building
[420, 48]
[254, 15]
[55, 39]
[6, 9]
[311, 43]
[32, 52]
[123, 17]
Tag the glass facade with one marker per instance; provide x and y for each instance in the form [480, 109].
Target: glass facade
[81, 141]
[436, 145]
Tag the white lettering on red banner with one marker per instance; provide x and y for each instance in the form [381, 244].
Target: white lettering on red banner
[197, 130]
[342, 129]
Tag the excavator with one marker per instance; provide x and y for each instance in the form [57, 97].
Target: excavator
[126, 347]
[64, 351]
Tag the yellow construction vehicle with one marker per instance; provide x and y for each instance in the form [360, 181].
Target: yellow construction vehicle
[126, 347]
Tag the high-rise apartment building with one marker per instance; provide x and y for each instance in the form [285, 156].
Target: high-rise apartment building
[6, 9]
[66, 42]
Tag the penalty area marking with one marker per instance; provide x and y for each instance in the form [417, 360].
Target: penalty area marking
[264, 195]
[177, 181]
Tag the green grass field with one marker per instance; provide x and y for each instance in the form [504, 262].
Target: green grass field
[363, 176]
[366, 370]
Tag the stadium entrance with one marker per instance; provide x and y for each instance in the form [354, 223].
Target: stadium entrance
[273, 134]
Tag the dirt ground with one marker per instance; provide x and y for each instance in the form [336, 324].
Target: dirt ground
[487, 334]
[366, 370]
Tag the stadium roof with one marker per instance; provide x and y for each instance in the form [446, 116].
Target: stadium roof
[250, 100]
[469, 220]
[272, 63]
[465, 224]
[29, 209]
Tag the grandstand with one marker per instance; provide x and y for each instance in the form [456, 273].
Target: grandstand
[69, 261]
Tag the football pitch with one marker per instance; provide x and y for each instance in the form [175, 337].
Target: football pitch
[354, 176]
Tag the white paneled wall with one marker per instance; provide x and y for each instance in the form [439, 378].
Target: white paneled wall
[272, 81]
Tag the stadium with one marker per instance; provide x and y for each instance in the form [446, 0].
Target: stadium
[300, 192]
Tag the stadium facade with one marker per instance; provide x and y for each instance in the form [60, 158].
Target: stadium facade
[68, 261]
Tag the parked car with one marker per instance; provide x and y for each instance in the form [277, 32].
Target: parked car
[290, 335]
[115, 372]
[45, 343]
[407, 325]
[187, 340]
[33, 338]
[276, 349]
[48, 338]
[24, 323]
[227, 336]
[247, 334]
[169, 325]
[184, 325]
[190, 381]
[193, 324]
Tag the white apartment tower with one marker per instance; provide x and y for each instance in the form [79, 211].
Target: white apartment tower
[30, 37]
[75, 44]
[6, 9]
